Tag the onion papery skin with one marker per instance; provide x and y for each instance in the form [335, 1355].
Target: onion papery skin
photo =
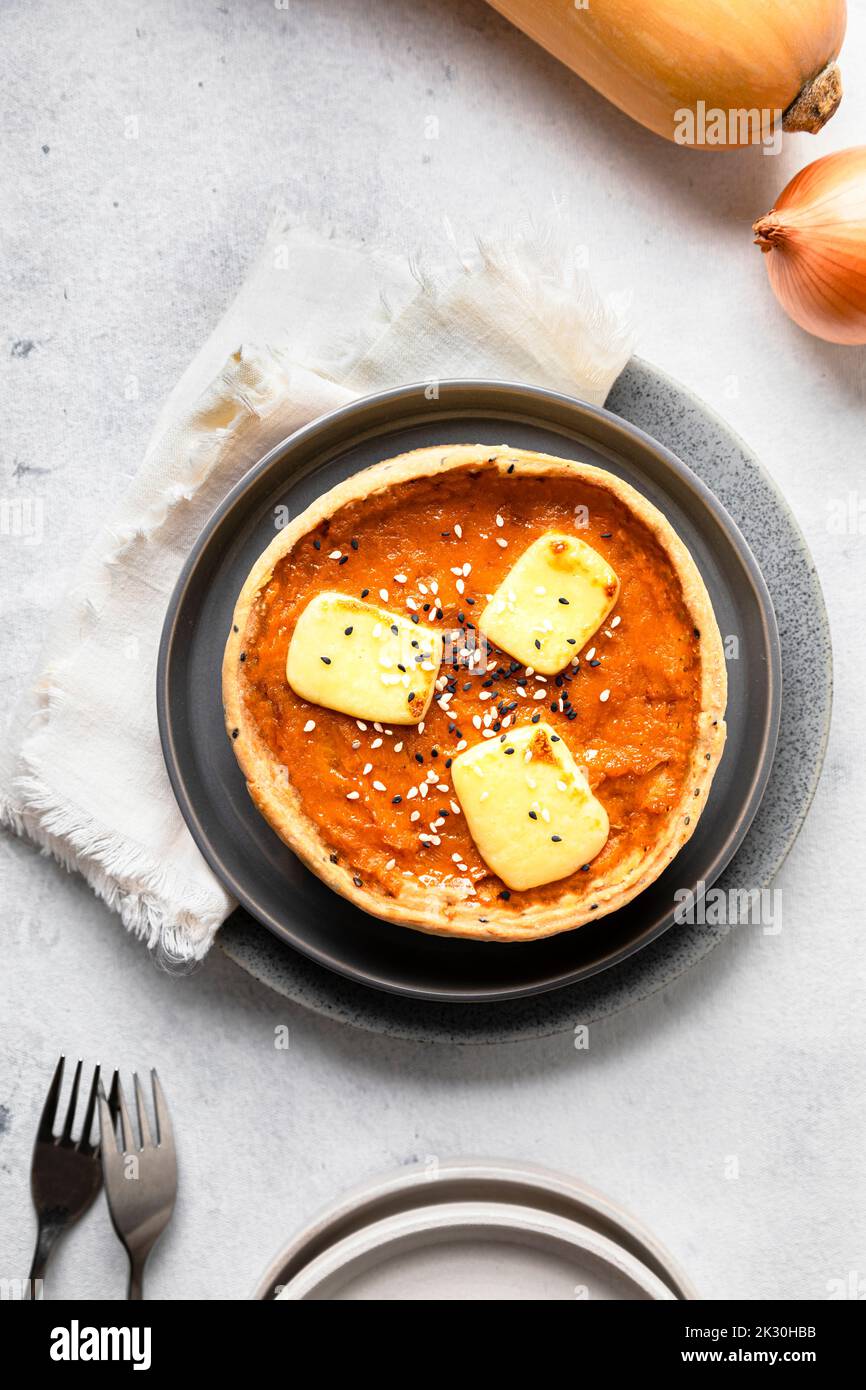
[814, 240]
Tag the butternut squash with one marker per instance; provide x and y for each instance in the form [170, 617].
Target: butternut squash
[699, 65]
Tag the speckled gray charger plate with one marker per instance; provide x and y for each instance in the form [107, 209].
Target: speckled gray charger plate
[664, 410]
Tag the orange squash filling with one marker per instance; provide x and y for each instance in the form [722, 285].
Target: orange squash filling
[626, 706]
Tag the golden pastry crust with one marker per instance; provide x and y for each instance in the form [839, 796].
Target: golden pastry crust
[449, 910]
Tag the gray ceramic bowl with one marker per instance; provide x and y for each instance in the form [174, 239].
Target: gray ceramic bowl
[292, 902]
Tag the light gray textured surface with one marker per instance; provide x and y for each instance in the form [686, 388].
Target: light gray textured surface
[118, 254]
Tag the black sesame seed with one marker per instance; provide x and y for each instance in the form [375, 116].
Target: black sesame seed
[347, 632]
[342, 560]
[446, 534]
[509, 750]
[333, 858]
[434, 752]
[364, 593]
[565, 601]
[696, 631]
[510, 468]
[606, 535]
[326, 660]
[571, 641]
[471, 602]
[557, 839]
[537, 644]
[448, 762]
[554, 706]
[419, 757]
[354, 542]
[415, 618]
[235, 733]
[317, 545]
[394, 629]
[243, 656]
[358, 882]
[395, 800]
[554, 738]
[533, 815]
[504, 895]
[535, 718]
[584, 868]
[426, 607]
[235, 628]
[411, 697]
[595, 661]
[467, 685]
[439, 613]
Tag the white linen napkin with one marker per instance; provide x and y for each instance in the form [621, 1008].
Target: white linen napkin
[317, 322]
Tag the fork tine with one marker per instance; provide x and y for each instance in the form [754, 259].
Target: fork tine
[164, 1132]
[125, 1126]
[49, 1110]
[73, 1101]
[91, 1106]
[107, 1135]
[143, 1123]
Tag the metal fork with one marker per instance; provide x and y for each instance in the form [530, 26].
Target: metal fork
[140, 1182]
[65, 1174]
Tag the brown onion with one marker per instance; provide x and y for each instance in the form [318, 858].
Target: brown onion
[815, 243]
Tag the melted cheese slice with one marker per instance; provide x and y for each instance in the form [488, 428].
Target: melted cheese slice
[362, 660]
[529, 807]
[551, 602]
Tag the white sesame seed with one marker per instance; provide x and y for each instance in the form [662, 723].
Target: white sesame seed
[521, 690]
[455, 858]
[416, 815]
[590, 654]
[454, 808]
[604, 696]
[461, 744]
[383, 594]
[423, 789]
[488, 733]
[467, 569]
[434, 586]
[368, 768]
[356, 743]
[500, 521]
[398, 747]
[399, 579]
[335, 555]
[590, 754]
[391, 863]
[377, 743]
[421, 727]
[460, 586]
[352, 796]
[501, 541]
[413, 791]
[380, 786]
[615, 622]
[309, 726]
[423, 588]
[361, 726]
[410, 603]
[458, 531]
[539, 694]
[443, 787]
[486, 695]
[464, 868]
[476, 721]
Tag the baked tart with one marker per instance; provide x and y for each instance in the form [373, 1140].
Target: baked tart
[479, 691]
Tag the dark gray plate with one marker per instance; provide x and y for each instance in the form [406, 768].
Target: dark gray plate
[251, 860]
